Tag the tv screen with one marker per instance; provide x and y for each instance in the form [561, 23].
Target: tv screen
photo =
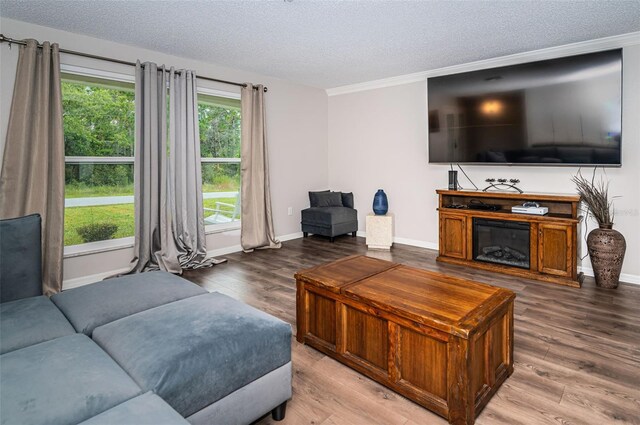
[565, 111]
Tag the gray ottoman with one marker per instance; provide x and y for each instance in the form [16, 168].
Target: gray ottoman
[90, 306]
[199, 350]
[30, 321]
[63, 381]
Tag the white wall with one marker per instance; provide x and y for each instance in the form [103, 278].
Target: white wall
[296, 130]
[378, 139]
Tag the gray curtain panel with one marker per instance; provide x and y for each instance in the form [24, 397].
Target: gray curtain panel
[256, 222]
[185, 172]
[154, 246]
[32, 178]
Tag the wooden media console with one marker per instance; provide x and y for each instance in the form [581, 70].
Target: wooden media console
[548, 250]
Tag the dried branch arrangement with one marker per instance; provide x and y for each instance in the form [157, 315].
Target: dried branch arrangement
[595, 195]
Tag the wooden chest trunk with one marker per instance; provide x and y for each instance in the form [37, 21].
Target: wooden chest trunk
[443, 342]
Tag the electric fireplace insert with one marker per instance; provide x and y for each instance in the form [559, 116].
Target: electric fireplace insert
[501, 242]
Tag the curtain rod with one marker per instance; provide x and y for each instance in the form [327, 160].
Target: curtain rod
[4, 39]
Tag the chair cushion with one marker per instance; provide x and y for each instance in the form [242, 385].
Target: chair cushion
[347, 199]
[195, 351]
[90, 306]
[20, 259]
[313, 197]
[329, 215]
[146, 409]
[30, 321]
[330, 199]
[63, 381]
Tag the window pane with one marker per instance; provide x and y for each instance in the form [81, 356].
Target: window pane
[98, 202]
[220, 190]
[98, 120]
[219, 120]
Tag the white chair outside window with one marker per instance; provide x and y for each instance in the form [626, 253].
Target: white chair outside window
[223, 212]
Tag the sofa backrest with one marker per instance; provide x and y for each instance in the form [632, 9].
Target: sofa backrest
[20, 258]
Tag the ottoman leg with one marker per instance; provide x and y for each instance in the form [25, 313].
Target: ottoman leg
[278, 413]
[305, 234]
[353, 234]
[331, 239]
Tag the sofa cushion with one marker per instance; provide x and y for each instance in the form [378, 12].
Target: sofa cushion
[90, 306]
[313, 197]
[146, 409]
[30, 321]
[347, 199]
[329, 216]
[195, 351]
[20, 259]
[63, 381]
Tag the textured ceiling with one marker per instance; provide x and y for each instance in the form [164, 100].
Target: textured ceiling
[333, 43]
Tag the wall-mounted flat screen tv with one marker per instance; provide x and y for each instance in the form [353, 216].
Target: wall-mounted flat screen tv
[565, 111]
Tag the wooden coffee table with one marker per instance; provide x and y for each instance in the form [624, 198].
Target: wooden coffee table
[443, 342]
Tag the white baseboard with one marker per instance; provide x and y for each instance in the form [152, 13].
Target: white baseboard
[237, 248]
[224, 251]
[85, 280]
[290, 236]
[414, 242]
[405, 241]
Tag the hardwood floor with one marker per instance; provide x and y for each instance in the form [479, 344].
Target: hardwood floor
[576, 354]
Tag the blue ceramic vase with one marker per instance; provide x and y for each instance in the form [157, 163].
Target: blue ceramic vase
[380, 203]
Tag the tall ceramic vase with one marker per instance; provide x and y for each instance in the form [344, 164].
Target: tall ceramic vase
[380, 203]
[606, 250]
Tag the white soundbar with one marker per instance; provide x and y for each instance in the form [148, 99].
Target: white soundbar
[519, 209]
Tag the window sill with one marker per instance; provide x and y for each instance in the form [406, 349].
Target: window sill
[222, 227]
[122, 243]
[97, 247]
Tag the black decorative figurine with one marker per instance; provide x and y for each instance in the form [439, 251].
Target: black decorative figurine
[502, 184]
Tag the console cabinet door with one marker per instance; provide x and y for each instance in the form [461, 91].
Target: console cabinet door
[555, 247]
[453, 235]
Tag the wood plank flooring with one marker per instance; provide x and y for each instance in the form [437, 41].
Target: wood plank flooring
[577, 351]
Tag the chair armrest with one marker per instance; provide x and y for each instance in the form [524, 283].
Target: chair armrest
[218, 204]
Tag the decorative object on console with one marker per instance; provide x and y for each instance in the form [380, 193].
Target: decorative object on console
[502, 185]
[606, 246]
[453, 180]
[380, 203]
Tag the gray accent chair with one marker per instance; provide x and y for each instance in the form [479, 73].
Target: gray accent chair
[147, 349]
[330, 214]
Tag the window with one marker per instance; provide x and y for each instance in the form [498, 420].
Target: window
[99, 125]
[219, 119]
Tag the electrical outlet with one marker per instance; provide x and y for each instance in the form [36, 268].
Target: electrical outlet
[290, 210]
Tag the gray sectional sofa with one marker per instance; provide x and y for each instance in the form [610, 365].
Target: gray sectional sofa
[151, 348]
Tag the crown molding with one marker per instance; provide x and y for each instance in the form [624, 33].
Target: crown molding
[613, 42]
